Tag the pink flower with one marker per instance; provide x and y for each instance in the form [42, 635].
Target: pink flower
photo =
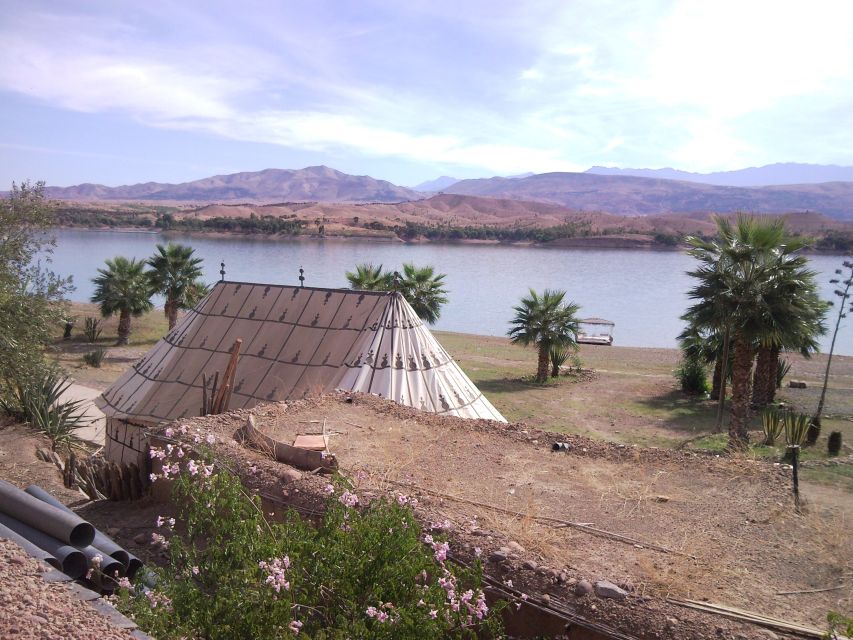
[433, 613]
[211, 439]
[348, 499]
[208, 470]
[195, 571]
[124, 583]
[152, 477]
[159, 541]
[328, 489]
[160, 521]
[170, 432]
[192, 467]
[402, 500]
[276, 569]
[478, 551]
[295, 627]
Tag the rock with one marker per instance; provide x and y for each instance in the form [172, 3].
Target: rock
[563, 578]
[766, 633]
[499, 555]
[140, 539]
[554, 574]
[18, 560]
[546, 599]
[796, 384]
[606, 589]
[543, 571]
[529, 564]
[516, 548]
[672, 622]
[290, 475]
[661, 499]
[113, 531]
[583, 588]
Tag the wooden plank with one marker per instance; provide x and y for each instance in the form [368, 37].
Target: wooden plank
[312, 443]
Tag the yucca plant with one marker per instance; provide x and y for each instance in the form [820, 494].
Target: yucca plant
[92, 329]
[782, 369]
[796, 427]
[772, 424]
[95, 358]
[37, 402]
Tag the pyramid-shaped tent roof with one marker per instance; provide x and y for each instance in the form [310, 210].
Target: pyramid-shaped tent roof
[297, 341]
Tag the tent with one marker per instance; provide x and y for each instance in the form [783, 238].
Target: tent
[297, 341]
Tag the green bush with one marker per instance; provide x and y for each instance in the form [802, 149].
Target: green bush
[95, 358]
[772, 423]
[365, 572]
[92, 329]
[692, 376]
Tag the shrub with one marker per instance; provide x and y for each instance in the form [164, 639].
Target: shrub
[233, 573]
[37, 403]
[92, 329]
[796, 426]
[833, 444]
[692, 376]
[95, 358]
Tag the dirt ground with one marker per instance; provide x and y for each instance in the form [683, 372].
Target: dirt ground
[694, 525]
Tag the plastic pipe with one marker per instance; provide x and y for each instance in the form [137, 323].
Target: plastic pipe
[48, 519]
[72, 561]
[35, 551]
[101, 541]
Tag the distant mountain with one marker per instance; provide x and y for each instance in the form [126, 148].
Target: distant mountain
[628, 195]
[784, 173]
[436, 185]
[320, 184]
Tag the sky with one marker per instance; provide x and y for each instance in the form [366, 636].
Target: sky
[117, 92]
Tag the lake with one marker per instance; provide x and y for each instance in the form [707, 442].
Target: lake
[643, 292]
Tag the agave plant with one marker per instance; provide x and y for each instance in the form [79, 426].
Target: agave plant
[92, 329]
[772, 423]
[95, 358]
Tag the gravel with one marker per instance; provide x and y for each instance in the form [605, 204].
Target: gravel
[33, 608]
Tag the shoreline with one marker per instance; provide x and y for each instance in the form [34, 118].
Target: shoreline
[600, 242]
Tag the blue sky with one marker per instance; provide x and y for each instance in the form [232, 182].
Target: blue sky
[123, 92]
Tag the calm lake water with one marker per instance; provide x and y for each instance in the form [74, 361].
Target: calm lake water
[643, 292]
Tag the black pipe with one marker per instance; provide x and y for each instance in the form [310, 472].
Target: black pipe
[72, 561]
[48, 519]
[34, 550]
[101, 541]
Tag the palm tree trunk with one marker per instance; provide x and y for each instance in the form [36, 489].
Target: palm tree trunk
[763, 376]
[772, 382]
[171, 310]
[716, 381]
[542, 369]
[724, 376]
[741, 379]
[123, 327]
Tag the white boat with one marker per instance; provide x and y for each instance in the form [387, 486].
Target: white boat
[596, 331]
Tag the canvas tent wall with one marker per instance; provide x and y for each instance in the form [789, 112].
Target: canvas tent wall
[297, 341]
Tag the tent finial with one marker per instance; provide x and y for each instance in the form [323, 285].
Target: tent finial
[397, 281]
[301, 276]
[222, 271]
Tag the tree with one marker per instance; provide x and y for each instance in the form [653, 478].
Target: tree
[176, 274]
[843, 309]
[420, 286]
[424, 290]
[367, 277]
[31, 297]
[545, 322]
[754, 284]
[123, 288]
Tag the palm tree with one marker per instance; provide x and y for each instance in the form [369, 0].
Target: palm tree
[424, 290]
[122, 288]
[752, 282]
[175, 274]
[367, 277]
[544, 321]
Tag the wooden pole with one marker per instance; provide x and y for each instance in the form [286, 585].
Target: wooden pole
[795, 465]
[228, 377]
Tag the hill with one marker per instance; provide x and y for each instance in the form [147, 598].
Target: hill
[321, 184]
[781, 173]
[628, 195]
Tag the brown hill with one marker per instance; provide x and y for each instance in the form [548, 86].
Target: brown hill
[628, 195]
[312, 183]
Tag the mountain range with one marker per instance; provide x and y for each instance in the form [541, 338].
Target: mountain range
[782, 173]
[580, 192]
[310, 184]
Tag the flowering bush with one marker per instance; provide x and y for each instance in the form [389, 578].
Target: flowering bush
[362, 572]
